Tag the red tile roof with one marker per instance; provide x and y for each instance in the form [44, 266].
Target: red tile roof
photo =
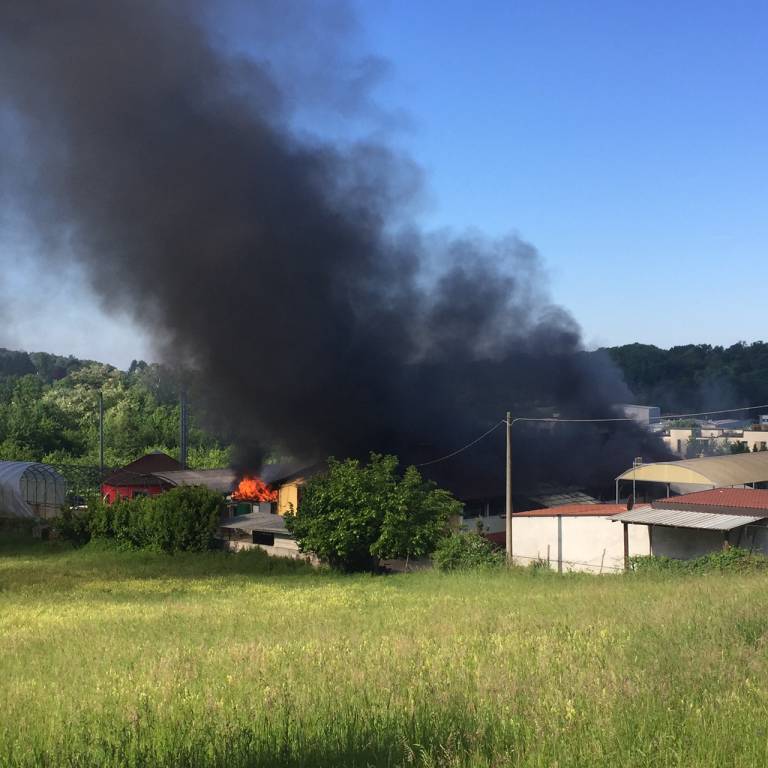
[731, 498]
[575, 510]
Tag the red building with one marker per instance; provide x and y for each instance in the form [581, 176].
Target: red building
[138, 478]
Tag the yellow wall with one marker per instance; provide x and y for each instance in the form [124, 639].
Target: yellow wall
[288, 496]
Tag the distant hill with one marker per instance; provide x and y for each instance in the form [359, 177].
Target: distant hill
[695, 377]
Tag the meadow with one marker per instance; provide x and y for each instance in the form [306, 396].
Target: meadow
[137, 659]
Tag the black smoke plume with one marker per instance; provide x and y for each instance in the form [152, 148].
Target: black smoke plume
[285, 271]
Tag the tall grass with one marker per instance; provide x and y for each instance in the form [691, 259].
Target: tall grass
[237, 660]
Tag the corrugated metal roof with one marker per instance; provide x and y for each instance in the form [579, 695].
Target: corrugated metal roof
[678, 518]
[722, 498]
[718, 471]
[219, 480]
[257, 521]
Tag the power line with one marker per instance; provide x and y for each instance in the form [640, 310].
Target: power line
[557, 420]
[464, 448]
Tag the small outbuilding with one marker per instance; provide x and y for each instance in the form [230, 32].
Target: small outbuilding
[696, 524]
[140, 478]
[259, 529]
[29, 490]
[572, 537]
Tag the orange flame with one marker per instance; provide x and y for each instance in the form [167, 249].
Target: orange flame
[253, 489]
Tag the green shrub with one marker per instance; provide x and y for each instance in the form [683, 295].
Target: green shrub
[466, 551]
[731, 559]
[183, 519]
[73, 525]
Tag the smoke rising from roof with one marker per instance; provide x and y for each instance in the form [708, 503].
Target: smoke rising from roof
[285, 270]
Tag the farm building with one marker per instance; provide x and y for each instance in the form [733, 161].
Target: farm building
[30, 491]
[140, 478]
[695, 524]
[663, 478]
[572, 537]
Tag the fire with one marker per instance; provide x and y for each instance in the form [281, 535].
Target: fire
[253, 489]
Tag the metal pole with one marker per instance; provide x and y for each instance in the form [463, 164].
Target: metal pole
[509, 490]
[559, 543]
[183, 429]
[626, 546]
[101, 436]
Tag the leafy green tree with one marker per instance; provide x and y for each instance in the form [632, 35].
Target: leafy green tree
[353, 515]
[416, 519]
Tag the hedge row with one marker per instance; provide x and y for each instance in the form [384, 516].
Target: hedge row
[182, 519]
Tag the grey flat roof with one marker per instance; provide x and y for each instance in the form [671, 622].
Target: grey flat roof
[257, 521]
[678, 518]
[220, 480]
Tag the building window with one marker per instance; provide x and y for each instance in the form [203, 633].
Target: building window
[262, 537]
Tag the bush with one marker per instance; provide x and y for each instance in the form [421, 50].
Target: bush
[466, 551]
[183, 519]
[73, 525]
[731, 559]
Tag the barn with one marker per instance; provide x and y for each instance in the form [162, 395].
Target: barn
[140, 478]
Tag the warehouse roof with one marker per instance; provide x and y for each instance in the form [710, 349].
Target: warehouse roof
[733, 500]
[682, 518]
[717, 471]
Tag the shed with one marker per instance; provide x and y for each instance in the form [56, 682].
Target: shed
[571, 537]
[140, 477]
[695, 524]
[30, 490]
[738, 469]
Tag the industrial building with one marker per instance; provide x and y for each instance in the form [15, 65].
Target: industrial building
[665, 478]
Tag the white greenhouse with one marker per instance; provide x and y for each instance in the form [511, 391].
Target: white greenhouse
[30, 490]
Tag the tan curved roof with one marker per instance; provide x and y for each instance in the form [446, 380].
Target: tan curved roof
[718, 471]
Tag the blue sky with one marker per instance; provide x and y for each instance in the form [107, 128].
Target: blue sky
[628, 142]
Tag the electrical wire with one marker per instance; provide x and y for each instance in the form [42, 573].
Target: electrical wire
[468, 445]
[557, 420]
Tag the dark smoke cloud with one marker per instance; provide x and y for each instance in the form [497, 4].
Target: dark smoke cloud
[285, 270]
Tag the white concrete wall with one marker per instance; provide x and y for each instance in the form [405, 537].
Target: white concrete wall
[283, 547]
[583, 539]
[689, 543]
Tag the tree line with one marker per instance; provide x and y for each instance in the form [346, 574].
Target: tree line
[49, 407]
[695, 377]
[49, 412]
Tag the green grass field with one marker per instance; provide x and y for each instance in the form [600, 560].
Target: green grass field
[136, 659]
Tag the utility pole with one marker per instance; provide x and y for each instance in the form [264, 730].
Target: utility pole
[509, 490]
[183, 428]
[101, 436]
